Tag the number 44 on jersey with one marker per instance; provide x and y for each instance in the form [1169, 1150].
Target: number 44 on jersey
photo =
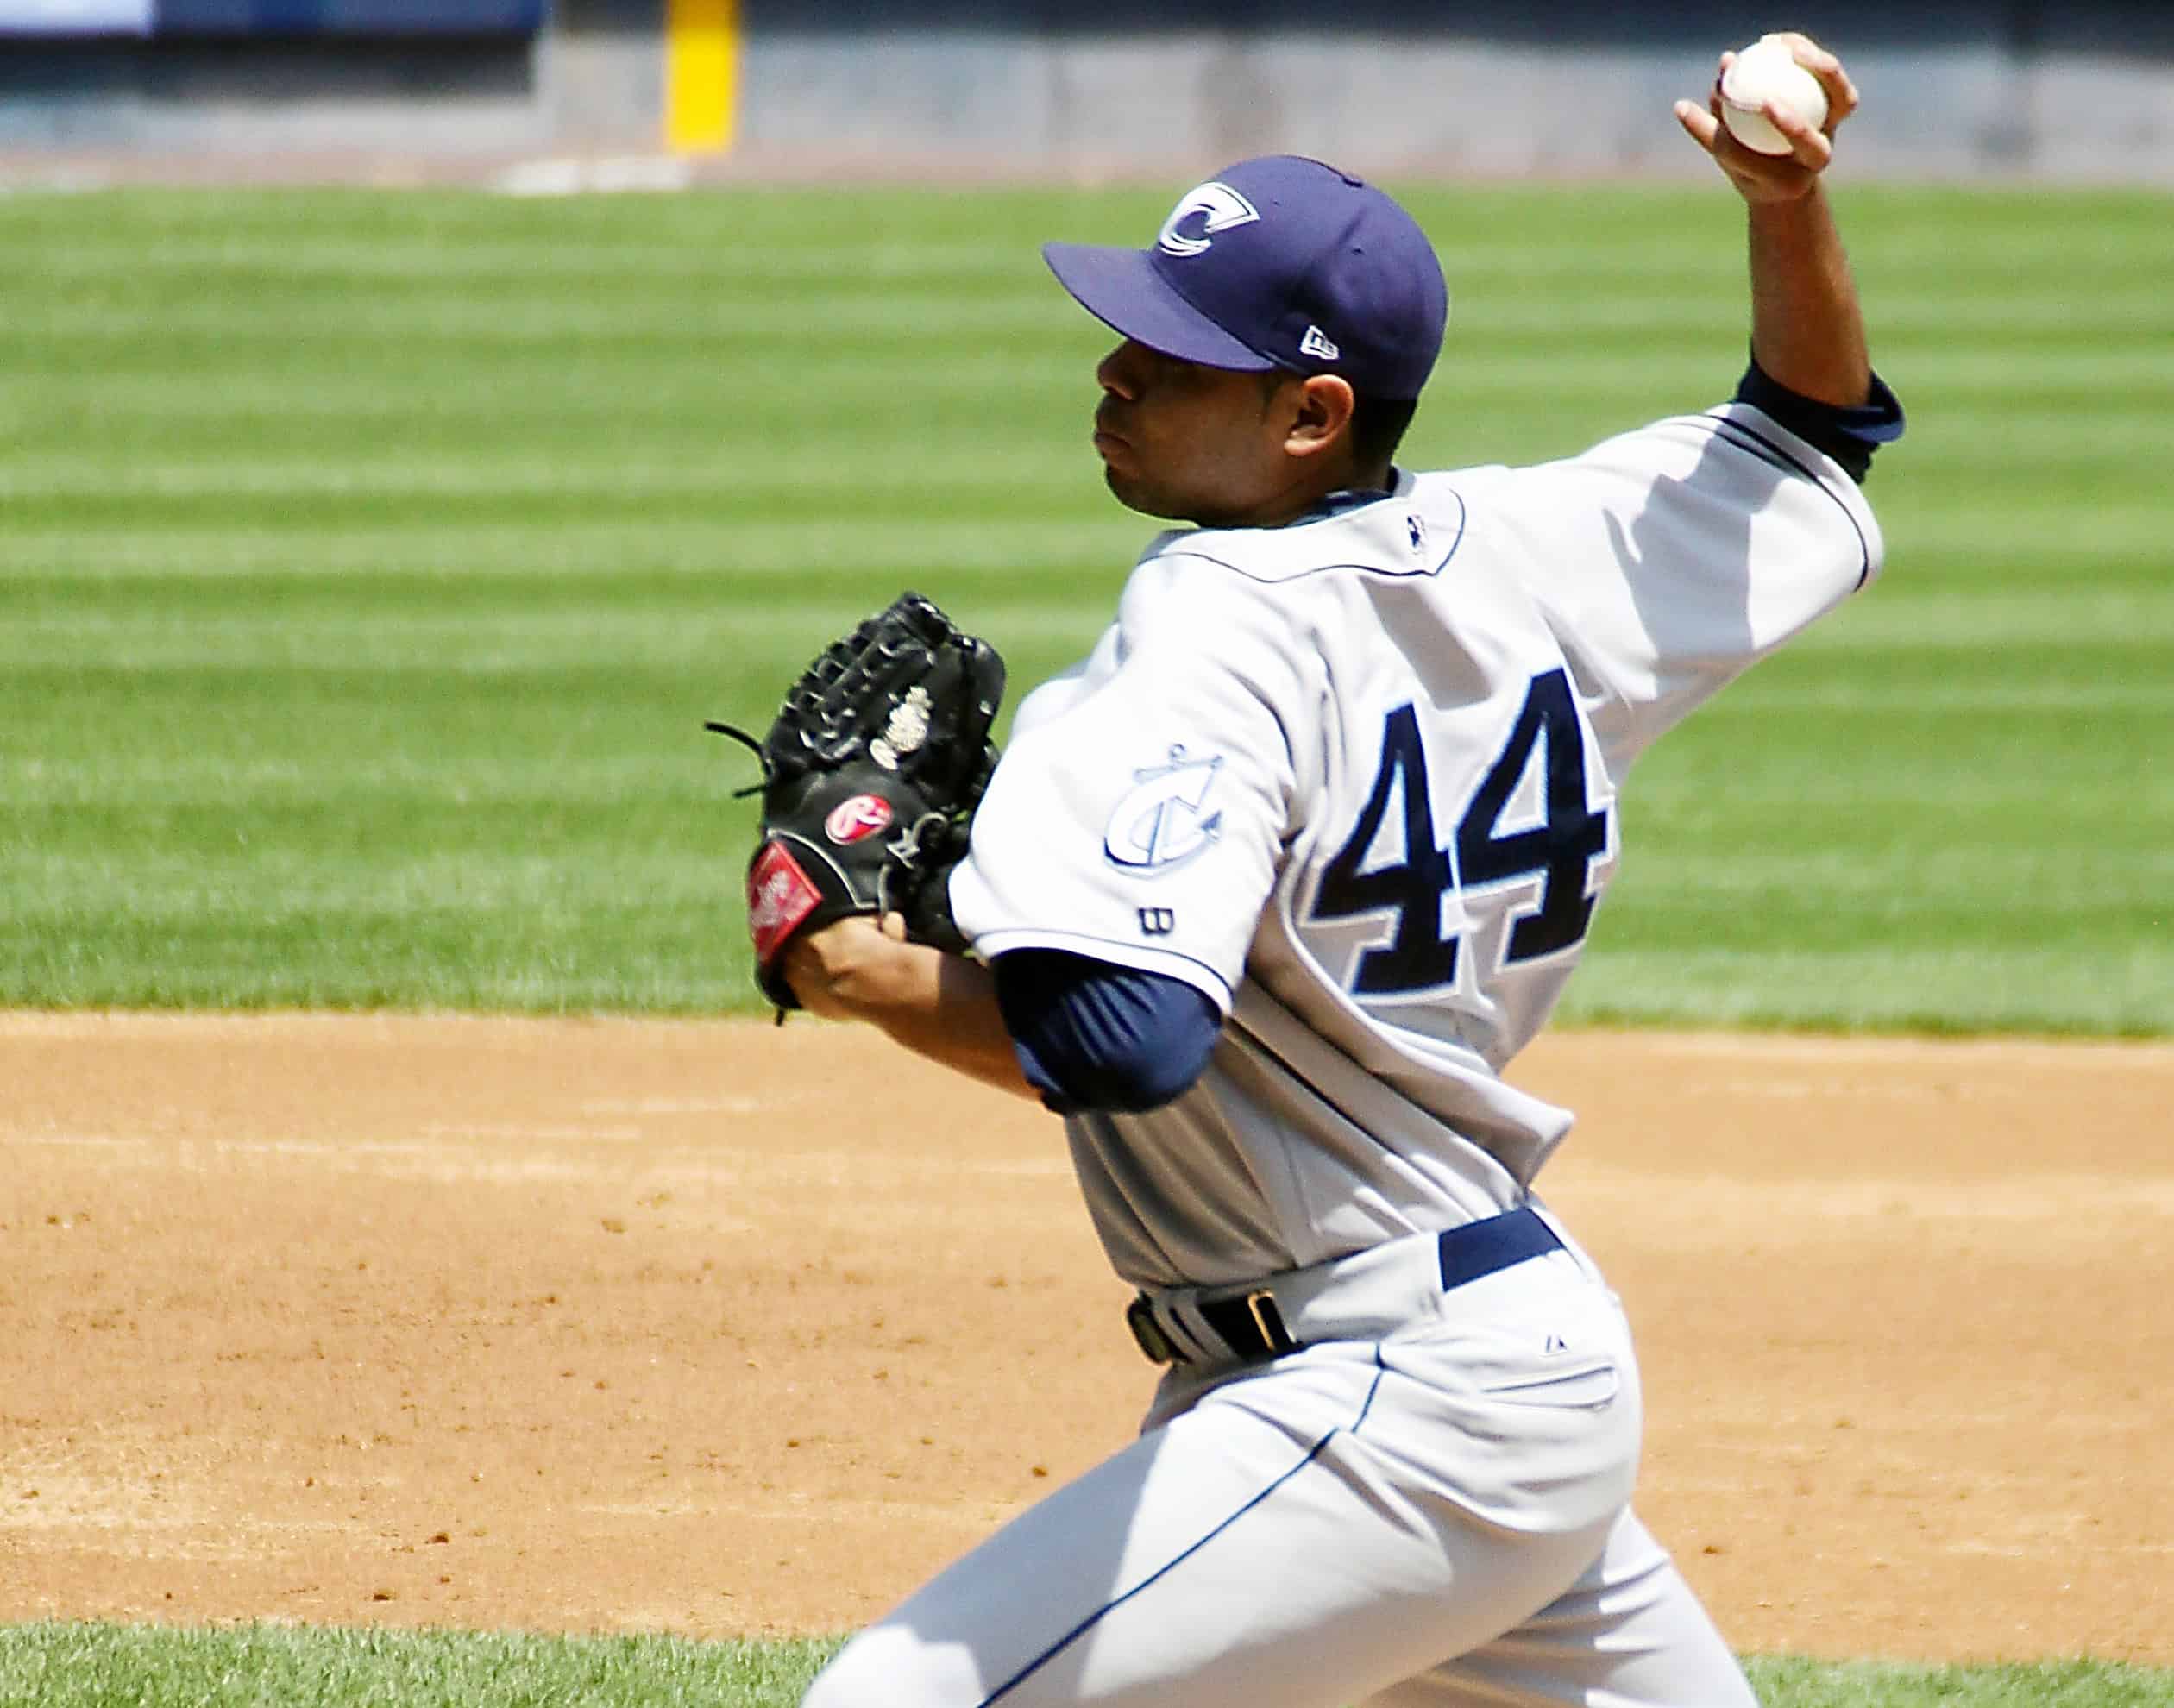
[1559, 850]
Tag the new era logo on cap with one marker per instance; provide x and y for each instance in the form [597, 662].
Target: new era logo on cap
[1252, 264]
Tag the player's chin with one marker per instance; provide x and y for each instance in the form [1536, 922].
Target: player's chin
[1129, 491]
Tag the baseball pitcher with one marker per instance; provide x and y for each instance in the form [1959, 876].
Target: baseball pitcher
[1264, 896]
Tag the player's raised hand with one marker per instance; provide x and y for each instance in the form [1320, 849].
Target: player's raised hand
[1775, 178]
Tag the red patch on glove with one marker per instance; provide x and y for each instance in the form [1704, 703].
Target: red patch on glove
[779, 897]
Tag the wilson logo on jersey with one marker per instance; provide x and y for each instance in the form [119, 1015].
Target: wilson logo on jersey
[1221, 208]
[1164, 820]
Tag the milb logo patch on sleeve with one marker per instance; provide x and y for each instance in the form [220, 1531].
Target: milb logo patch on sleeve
[1164, 820]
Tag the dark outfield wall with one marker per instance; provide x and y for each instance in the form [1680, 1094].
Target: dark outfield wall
[2120, 27]
[1099, 88]
[1953, 88]
[351, 18]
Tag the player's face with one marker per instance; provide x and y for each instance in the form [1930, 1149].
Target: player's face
[1196, 444]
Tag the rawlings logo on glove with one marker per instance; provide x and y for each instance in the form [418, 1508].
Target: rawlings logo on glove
[851, 820]
[871, 772]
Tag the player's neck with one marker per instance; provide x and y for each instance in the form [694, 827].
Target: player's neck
[1306, 499]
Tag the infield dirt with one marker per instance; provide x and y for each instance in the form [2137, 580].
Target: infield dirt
[715, 1329]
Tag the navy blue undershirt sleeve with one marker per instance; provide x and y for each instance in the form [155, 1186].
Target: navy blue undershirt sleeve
[1091, 1035]
[1849, 435]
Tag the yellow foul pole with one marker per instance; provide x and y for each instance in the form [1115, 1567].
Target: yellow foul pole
[702, 75]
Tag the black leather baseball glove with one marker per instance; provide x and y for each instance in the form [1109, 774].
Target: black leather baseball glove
[871, 772]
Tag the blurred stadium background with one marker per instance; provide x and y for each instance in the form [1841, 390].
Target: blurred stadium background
[1077, 88]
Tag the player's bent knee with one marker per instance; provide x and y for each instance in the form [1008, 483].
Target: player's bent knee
[889, 1667]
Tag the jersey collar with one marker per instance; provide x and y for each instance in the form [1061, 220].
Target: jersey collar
[1351, 499]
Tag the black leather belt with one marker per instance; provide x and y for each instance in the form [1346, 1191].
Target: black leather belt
[1249, 1324]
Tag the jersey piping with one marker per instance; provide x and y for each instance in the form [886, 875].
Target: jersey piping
[1362, 566]
[1178, 1559]
[1782, 459]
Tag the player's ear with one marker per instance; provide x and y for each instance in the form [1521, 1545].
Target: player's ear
[1322, 419]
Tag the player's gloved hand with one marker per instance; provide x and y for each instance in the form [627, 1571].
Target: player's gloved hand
[871, 771]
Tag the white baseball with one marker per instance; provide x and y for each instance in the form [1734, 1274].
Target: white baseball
[1764, 72]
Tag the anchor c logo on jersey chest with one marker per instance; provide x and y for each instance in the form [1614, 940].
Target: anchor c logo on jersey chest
[1164, 820]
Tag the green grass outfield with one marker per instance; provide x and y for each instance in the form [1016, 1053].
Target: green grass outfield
[367, 563]
[66, 1666]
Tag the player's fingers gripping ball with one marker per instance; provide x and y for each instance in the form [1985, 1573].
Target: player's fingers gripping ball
[1767, 73]
[871, 771]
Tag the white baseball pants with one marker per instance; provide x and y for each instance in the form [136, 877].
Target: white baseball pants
[1439, 1519]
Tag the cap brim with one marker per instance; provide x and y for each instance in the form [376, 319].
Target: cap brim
[1121, 289]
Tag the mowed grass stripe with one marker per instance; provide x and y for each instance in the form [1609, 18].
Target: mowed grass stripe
[432, 473]
[213, 562]
[1969, 991]
[667, 382]
[603, 407]
[235, 620]
[2036, 621]
[75, 1666]
[483, 259]
[461, 644]
[2098, 641]
[659, 385]
[409, 537]
[488, 320]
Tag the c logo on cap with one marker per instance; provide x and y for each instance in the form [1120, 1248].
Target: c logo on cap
[1223, 208]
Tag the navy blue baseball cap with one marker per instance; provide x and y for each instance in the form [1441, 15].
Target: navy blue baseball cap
[1277, 262]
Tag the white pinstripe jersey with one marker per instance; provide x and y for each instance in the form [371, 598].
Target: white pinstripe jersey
[1356, 779]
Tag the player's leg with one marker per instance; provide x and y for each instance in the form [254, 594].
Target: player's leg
[1225, 1558]
[1299, 1537]
[1630, 1634]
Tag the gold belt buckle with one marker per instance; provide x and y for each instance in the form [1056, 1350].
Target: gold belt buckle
[1261, 1305]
